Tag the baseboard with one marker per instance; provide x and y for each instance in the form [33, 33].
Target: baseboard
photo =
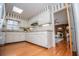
[36, 44]
[14, 42]
[20, 42]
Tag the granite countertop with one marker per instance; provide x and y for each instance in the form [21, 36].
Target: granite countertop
[30, 31]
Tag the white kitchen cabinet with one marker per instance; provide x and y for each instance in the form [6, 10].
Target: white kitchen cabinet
[39, 38]
[44, 18]
[2, 38]
[15, 37]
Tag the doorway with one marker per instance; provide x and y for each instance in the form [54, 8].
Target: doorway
[62, 30]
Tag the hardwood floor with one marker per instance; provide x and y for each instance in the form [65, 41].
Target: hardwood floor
[28, 49]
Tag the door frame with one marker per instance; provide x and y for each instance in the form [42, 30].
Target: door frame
[69, 23]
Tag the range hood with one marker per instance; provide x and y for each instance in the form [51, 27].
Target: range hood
[34, 24]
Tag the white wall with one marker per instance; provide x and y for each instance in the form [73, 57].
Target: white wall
[76, 19]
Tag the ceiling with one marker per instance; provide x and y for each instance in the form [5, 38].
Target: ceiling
[32, 9]
[29, 9]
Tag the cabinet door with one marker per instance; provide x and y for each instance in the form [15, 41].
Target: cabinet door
[44, 18]
[2, 37]
[42, 40]
[28, 37]
[15, 37]
[39, 39]
[1, 23]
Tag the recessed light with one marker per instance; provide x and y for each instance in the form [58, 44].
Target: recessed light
[45, 25]
[17, 10]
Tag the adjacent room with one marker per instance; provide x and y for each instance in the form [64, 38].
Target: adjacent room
[62, 36]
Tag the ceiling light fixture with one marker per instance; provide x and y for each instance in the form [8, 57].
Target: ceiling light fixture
[17, 10]
[45, 25]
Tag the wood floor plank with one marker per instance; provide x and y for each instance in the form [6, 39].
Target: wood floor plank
[29, 49]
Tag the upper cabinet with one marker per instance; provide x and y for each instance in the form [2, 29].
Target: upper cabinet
[42, 18]
[33, 20]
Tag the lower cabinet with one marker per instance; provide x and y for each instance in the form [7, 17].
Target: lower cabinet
[2, 38]
[39, 38]
[14, 37]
